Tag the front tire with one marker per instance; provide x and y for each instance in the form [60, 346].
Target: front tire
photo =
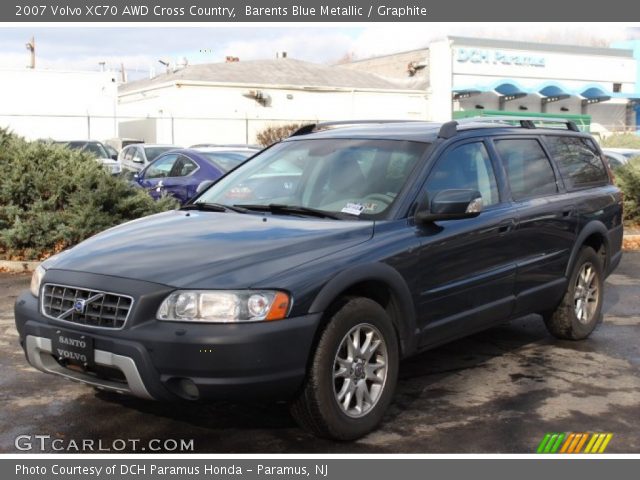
[353, 373]
[581, 307]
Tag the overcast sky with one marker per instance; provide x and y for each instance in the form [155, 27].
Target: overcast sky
[140, 48]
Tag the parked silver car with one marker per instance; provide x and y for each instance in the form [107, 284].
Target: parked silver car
[96, 149]
[619, 156]
[134, 158]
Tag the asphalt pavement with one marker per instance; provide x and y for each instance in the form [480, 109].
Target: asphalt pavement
[498, 391]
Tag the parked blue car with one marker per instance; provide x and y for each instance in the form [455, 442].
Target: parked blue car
[179, 172]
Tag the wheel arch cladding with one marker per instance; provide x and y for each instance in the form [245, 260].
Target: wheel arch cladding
[382, 284]
[594, 235]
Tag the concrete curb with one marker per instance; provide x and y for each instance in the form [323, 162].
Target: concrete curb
[631, 242]
[18, 266]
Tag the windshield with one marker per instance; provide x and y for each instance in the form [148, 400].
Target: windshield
[355, 177]
[227, 160]
[94, 148]
[154, 152]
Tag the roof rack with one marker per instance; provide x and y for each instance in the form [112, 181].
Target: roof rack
[449, 129]
[311, 127]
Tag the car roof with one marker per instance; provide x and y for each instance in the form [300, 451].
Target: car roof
[422, 131]
[621, 150]
[152, 145]
[223, 149]
[234, 146]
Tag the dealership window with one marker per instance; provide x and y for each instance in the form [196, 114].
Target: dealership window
[529, 171]
[578, 160]
[465, 167]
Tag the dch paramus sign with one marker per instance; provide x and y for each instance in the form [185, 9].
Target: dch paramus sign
[497, 57]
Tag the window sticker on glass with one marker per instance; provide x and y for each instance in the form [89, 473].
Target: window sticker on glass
[353, 208]
[370, 207]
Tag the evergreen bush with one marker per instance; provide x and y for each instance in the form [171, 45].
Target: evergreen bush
[52, 198]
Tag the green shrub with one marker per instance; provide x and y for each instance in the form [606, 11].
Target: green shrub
[621, 140]
[628, 179]
[52, 198]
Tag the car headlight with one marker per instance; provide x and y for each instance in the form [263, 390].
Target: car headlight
[224, 306]
[36, 280]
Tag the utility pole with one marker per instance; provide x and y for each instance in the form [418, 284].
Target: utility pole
[123, 75]
[31, 46]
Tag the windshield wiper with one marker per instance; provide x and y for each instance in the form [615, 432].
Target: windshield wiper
[292, 209]
[213, 207]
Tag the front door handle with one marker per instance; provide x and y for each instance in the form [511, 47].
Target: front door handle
[506, 225]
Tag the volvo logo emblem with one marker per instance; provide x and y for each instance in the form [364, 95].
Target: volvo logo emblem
[79, 306]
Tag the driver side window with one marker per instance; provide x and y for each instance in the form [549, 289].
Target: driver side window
[466, 167]
[161, 168]
[137, 155]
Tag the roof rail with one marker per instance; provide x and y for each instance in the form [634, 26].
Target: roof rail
[448, 129]
[311, 127]
[525, 122]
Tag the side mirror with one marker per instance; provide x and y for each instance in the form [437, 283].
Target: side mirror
[204, 185]
[114, 156]
[450, 205]
[137, 160]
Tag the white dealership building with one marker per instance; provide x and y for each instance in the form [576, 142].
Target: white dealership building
[59, 104]
[472, 76]
[230, 102]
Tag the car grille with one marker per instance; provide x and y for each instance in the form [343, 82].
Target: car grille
[93, 308]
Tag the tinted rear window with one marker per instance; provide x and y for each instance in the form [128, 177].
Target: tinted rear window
[528, 169]
[578, 161]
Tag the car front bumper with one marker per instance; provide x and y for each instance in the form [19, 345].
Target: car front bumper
[171, 360]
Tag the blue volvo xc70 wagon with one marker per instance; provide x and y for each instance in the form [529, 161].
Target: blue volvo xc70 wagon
[310, 271]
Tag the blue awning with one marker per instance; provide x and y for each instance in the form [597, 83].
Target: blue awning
[510, 89]
[596, 94]
[554, 91]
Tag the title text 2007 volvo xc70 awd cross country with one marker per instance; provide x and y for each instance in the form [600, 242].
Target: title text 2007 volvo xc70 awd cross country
[309, 271]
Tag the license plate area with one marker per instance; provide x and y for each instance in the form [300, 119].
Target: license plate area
[73, 348]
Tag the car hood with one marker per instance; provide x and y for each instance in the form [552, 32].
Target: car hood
[210, 250]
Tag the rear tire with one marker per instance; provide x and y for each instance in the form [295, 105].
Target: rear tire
[580, 310]
[353, 373]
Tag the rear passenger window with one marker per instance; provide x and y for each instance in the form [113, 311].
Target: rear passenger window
[465, 167]
[528, 168]
[578, 161]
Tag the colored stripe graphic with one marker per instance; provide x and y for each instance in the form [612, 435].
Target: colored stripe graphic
[543, 443]
[606, 441]
[582, 442]
[555, 442]
[591, 443]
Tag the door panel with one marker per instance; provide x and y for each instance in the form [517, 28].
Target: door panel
[466, 267]
[547, 223]
[468, 273]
